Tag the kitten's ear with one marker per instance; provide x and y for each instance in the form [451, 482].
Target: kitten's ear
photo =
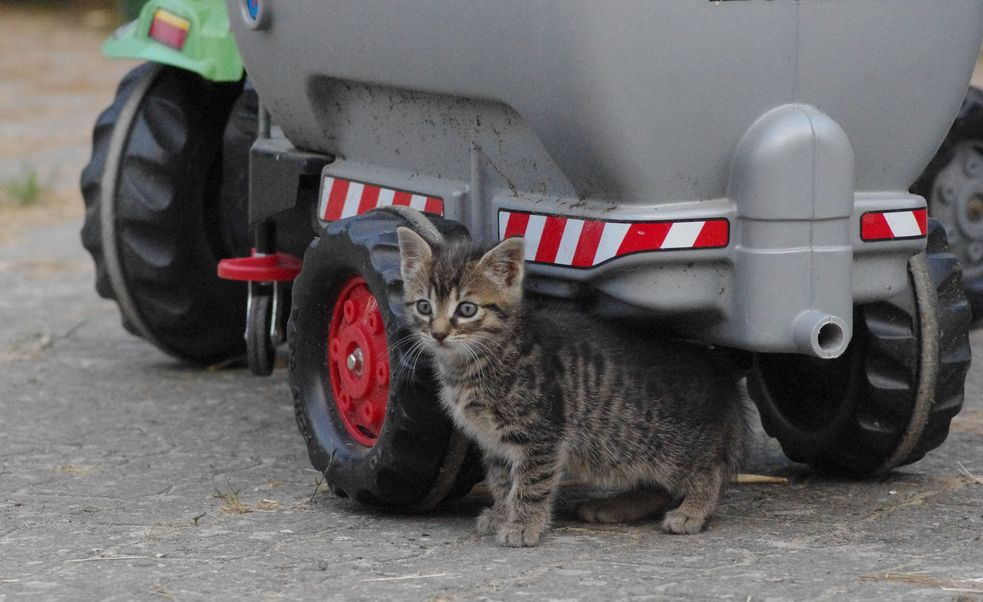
[414, 251]
[503, 263]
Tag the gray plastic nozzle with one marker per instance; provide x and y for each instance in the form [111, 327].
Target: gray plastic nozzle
[821, 335]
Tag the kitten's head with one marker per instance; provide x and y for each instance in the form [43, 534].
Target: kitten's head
[457, 297]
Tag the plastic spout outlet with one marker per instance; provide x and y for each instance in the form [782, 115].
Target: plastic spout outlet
[821, 335]
[792, 181]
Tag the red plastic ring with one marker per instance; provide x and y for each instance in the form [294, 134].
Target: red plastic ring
[358, 354]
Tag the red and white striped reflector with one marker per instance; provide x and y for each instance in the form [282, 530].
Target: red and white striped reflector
[892, 225]
[169, 29]
[579, 243]
[346, 198]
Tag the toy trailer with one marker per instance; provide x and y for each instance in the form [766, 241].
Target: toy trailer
[734, 171]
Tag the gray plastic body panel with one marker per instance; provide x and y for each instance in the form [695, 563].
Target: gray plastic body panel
[791, 119]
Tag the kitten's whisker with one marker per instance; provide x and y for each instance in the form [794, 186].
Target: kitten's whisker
[477, 363]
[410, 358]
[485, 358]
[402, 340]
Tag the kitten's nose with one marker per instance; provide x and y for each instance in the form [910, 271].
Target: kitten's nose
[440, 336]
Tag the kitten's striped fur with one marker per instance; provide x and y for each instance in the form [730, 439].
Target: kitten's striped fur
[544, 392]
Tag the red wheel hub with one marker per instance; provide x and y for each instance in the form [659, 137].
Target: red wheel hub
[358, 361]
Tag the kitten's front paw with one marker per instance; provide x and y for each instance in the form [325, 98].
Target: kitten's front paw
[681, 523]
[516, 535]
[489, 521]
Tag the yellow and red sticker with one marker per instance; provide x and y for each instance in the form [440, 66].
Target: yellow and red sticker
[169, 29]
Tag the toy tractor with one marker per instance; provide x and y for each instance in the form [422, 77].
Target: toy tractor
[736, 173]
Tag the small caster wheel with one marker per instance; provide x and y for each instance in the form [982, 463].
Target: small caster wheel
[260, 350]
[269, 278]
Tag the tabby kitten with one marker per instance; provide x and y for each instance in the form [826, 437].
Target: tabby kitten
[545, 392]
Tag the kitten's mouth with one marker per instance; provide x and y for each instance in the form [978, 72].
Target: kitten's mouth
[446, 345]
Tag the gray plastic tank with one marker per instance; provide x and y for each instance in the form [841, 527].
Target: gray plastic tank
[738, 168]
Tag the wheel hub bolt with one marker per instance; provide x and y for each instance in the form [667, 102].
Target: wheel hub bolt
[354, 360]
[974, 208]
[975, 251]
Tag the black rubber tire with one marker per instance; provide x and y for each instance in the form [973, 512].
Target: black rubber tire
[401, 468]
[260, 350]
[157, 179]
[862, 414]
[966, 130]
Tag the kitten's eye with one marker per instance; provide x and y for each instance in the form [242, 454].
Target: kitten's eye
[423, 306]
[467, 309]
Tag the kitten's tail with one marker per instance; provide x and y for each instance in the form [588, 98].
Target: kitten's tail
[741, 433]
[420, 223]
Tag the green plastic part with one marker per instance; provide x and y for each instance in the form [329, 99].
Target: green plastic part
[208, 48]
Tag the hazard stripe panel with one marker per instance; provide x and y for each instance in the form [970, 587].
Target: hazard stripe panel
[342, 198]
[579, 243]
[893, 225]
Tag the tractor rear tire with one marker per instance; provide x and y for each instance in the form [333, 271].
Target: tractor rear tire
[889, 399]
[165, 197]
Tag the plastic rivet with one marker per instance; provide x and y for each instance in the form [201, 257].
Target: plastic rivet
[382, 374]
[335, 348]
[345, 402]
[351, 311]
[373, 323]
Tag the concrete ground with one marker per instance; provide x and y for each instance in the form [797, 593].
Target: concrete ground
[125, 475]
